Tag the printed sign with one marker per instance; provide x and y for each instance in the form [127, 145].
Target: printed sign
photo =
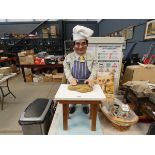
[109, 58]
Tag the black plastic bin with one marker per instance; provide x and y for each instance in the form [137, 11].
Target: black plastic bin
[37, 117]
[151, 130]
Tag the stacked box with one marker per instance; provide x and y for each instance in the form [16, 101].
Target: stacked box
[48, 78]
[26, 57]
[139, 73]
[45, 32]
[13, 69]
[58, 77]
[53, 31]
[29, 78]
[29, 59]
[5, 70]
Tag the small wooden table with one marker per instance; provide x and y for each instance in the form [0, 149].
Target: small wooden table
[66, 97]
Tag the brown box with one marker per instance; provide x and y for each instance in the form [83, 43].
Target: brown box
[29, 78]
[139, 73]
[53, 31]
[13, 69]
[45, 35]
[5, 70]
[30, 52]
[22, 60]
[48, 78]
[45, 30]
[22, 54]
[29, 59]
[58, 76]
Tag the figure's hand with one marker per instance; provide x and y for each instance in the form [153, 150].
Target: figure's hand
[73, 82]
[89, 82]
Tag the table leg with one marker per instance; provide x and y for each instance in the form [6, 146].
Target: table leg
[2, 101]
[91, 107]
[9, 90]
[65, 116]
[23, 72]
[32, 70]
[94, 116]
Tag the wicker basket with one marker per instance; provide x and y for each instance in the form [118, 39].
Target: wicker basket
[121, 125]
[120, 128]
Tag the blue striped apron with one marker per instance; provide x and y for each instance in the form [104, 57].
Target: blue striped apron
[80, 71]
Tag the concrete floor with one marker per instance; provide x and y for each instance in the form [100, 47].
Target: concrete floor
[27, 92]
[106, 127]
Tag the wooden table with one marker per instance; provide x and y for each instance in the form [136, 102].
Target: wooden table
[66, 97]
[13, 59]
[6, 79]
[32, 66]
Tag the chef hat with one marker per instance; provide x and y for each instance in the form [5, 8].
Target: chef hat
[81, 32]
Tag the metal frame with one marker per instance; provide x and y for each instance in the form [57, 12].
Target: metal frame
[4, 95]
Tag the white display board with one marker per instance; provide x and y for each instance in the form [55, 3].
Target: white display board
[108, 53]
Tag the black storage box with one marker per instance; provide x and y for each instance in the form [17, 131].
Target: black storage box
[37, 117]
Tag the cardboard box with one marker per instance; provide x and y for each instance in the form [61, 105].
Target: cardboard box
[22, 60]
[13, 69]
[48, 78]
[29, 59]
[53, 31]
[5, 70]
[45, 30]
[45, 35]
[58, 76]
[26, 57]
[22, 54]
[30, 52]
[25, 53]
[139, 73]
[29, 78]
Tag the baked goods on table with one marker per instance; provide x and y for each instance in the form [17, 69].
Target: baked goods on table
[82, 88]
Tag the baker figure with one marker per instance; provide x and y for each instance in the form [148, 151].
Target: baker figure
[80, 66]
